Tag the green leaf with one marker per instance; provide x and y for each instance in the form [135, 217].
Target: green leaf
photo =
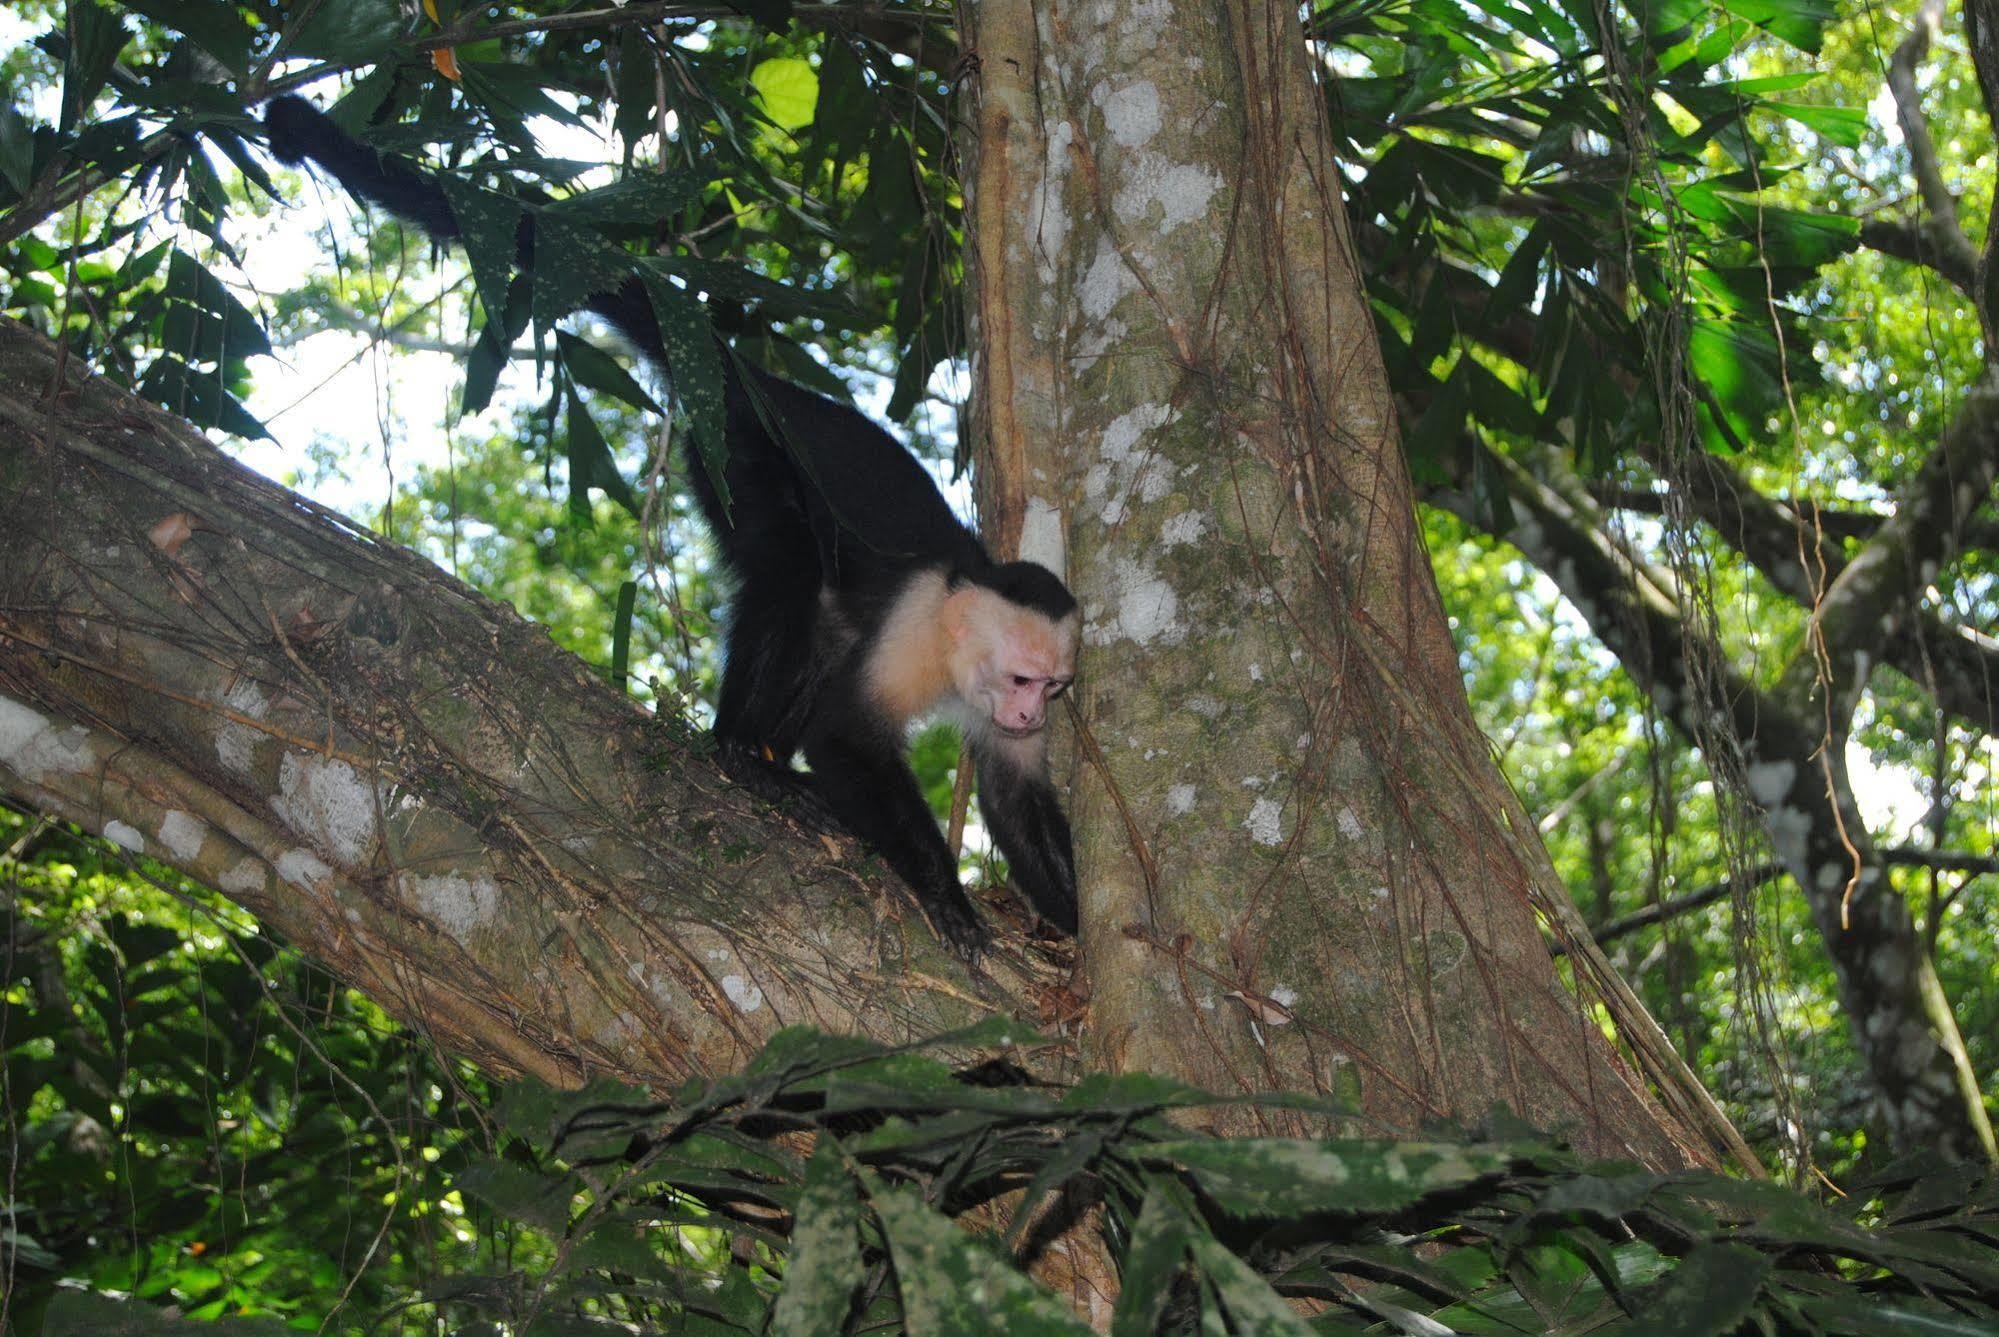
[1274, 1177]
[621, 633]
[1151, 1258]
[1800, 22]
[519, 1193]
[217, 26]
[772, 14]
[204, 319]
[951, 1283]
[590, 266]
[1253, 1307]
[198, 396]
[1845, 126]
[73, 1313]
[489, 223]
[695, 363]
[590, 461]
[17, 150]
[494, 347]
[348, 32]
[825, 1269]
[641, 199]
[789, 89]
[591, 366]
[1711, 1292]
[96, 36]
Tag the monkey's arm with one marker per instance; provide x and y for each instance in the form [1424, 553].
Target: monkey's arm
[1026, 820]
[864, 779]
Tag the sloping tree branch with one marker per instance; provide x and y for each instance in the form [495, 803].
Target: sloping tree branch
[408, 780]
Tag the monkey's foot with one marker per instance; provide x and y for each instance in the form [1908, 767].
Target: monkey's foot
[777, 784]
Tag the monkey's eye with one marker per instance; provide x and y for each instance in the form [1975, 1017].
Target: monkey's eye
[1020, 680]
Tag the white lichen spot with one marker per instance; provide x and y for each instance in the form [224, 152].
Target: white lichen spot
[124, 837]
[1179, 799]
[182, 834]
[1183, 192]
[1131, 113]
[1350, 826]
[1041, 536]
[327, 801]
[457, 904]
[1284, 996]
[718, 953]
[1256, 672]
[1770, 781]
[1104, 282]
[36, 748]
[1266, 822]
[242, 877]
[1148, 609]
[746, 996]
[1205, 706]
[304, 869]
[235, 741]
[1182, 529]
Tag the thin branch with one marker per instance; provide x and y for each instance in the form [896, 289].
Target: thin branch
[1944, 861]
[1923, 161]
[1925, 243]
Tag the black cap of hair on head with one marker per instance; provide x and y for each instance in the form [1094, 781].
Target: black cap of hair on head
[1031, 585]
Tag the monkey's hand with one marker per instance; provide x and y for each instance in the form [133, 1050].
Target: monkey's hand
[957, 925]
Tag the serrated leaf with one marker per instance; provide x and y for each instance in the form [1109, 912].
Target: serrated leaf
[590, 461]
[348, 32]
[589, 266]
[96, 36]
[591, 366]
[1253, 1307]
[1712, 1290]
[1151, 1258]
[1297, 1176]
[950, 1283]
[199, 396]
[694, 361]
[642, 198]
[825, 1269]
[519, 1193]
[489, 224]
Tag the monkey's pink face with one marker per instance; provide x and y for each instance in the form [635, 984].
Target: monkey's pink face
[1010, 662]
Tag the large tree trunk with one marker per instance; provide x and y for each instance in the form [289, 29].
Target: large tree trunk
[1300, 866]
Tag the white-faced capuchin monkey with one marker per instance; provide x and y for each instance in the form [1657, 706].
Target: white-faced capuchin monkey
[860, 602]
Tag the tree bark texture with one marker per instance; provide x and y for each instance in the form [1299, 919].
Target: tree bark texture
[1300, 866]
[408, 780]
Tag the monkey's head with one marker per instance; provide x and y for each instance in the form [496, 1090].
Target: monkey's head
[1013, 633]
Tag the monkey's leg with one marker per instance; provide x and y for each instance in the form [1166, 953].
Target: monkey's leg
[865, 780]
[770, 682]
